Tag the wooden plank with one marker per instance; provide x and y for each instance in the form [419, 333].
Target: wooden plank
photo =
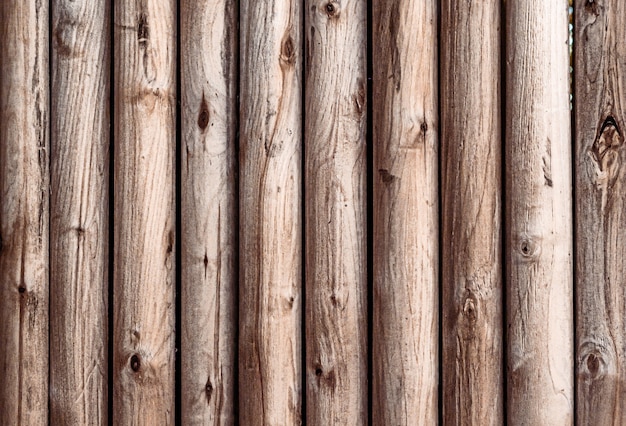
[144, 222]
[471, 235]
[406, 248]
[539, 307]
[335, 212]
[79, 212]
[209, 211]
[270, 342]
[24, 218]
[600, 114]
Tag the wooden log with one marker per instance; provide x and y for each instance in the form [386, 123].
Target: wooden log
[79, 212]
[539, 308]
[270, 342]
[335, 204]
[145, 105]
[471, 235]
[406, 247]
[600, 114]
[209, 211]
[24, 218]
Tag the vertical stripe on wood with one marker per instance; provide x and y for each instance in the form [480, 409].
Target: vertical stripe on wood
[539, 309]
[24, 216]
[79, 212]
[335, 212]
[472, 368]
[405, 122]
[209, 211]
[270, 341]
[600, 114]
[144, 222]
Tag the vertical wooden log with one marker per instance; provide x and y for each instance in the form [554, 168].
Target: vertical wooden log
[24, 189]
[79, 212]
[145, 99]
[270, 370]
[405, 332]
[335, 203]
[539, 215]
[600, 111]
[209, 211]
[471, 180]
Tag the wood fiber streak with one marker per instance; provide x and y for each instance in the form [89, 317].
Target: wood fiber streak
[600, 113]
[24, 218]
[335, 212]
[473, 377]
[406, 230]
[539, 308]
[209, 211]
[270, 325]
[145, 105]
[79, 215]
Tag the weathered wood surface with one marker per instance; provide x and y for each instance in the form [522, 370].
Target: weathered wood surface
[600, 108]
[208, 211]
[473, 376]
[144, 222]
[270, 334]
[24, 218]
[335, 204]
[406, 245]
[538, 232]
[79, 212]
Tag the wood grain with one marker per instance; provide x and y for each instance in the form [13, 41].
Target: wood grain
[270, 333]
[539, 307]
[406, 246]
[24, 217]
[144, 222]
[335, 212]
[472, 369]
[79, 212]
[600, 114]
[208, 211]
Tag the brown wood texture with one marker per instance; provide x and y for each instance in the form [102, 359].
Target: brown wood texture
[539, 308]
[600, 108]
[406, 235]
[335, 212]
[79, 212]
[208, 211]
[472, 369]
[270, 333]
[24, 217]
[144, 222]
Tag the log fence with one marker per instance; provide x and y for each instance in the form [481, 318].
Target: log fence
[312, 212]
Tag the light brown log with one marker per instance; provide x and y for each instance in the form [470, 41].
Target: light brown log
[405, 323]
[335, 204]
[600, 113]
[472, 369]
[209, 211]
[24, 219]
[539, 307]
[79, 213]
[270, 342]
[144, 222]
